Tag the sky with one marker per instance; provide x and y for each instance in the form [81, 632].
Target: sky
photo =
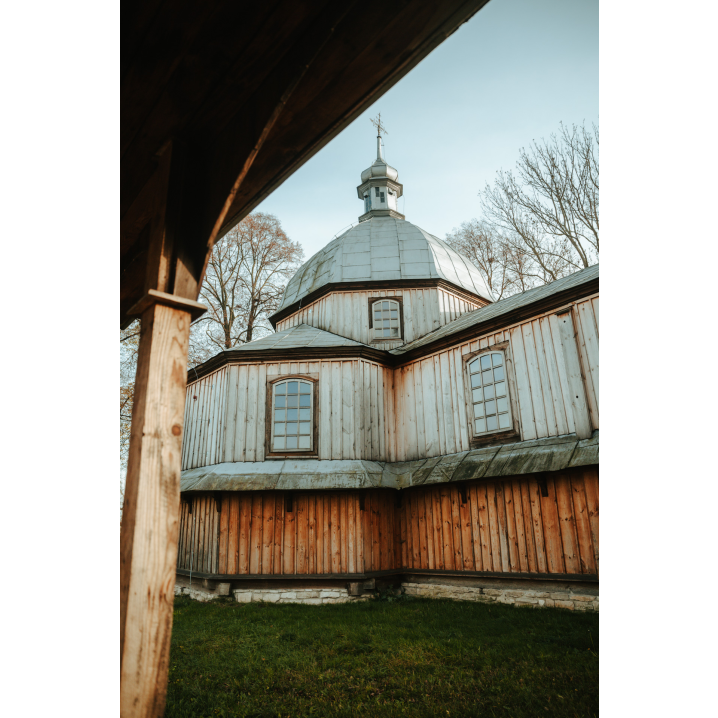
[508, 76]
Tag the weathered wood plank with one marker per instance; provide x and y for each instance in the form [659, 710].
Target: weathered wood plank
[418, 500]
[552, 530]
[336, 560]
[302, 527]
[223, 535]
[288, 551]
[479, 561]
[376, 508]
[583, 525]
[497, 559]
[467, 545]
[255, 534]
[537, 393]
[343, 515]
[511, 533]
[569, 538]
[456, 526]
[245, 527]
[574, 375]
[590, 483]
[503, 530]
[447, 533]
[416, 553]
[523, 385]
[278, 558]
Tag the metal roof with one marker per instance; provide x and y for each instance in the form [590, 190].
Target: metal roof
[383, 249]
[555, 453]
[301, 335]
[492, 311]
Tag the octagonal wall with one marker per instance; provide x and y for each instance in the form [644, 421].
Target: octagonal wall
[346, 313]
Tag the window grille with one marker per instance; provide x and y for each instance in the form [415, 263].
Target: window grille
[292, 415]
[489, 393]
[386, 321]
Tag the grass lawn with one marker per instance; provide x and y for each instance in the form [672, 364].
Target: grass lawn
[410, 657]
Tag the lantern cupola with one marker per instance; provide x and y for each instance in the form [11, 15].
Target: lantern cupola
[380, 189]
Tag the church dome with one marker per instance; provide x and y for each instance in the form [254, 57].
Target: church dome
[379, 169]
[383, 249]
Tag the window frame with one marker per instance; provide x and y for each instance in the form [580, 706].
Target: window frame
[495, 436]
[399, 301]
[313, 451]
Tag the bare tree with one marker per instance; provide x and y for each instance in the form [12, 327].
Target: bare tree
[245, 278]
[489, 250]
[548, 210]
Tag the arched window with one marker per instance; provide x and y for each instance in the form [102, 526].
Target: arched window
[386, 320]
[491, 409]
[292, 415]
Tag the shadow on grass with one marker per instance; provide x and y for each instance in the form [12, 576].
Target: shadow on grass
[415, 657]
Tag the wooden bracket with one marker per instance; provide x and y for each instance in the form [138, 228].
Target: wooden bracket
[398, 499]
[361, 501]
[289, 502]
[188, 500]
[218, 501]
[153, 296]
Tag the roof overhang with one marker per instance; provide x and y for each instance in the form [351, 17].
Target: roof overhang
[243, 95]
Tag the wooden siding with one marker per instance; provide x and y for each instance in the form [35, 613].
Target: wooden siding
[325, 533]
[431, 410]
[347, 313]
[227, 420]
[503, 526]
[415, 411]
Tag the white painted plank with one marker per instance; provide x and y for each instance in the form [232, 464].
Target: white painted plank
[261, 427]
[240, 429]
[537, 340]
[250, 447]
[336, 410]
[448, 400]
[439, 401]
[590, 339]
[572, 363]
[420, 410]
[380, 403]
[347, 415]
[325, 411]
[559, 407]
[523, 386]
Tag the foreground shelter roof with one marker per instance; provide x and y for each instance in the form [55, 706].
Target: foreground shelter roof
[222, 101]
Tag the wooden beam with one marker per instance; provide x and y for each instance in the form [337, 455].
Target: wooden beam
[148, 536]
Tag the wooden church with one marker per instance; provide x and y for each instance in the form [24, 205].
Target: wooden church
[400, 428]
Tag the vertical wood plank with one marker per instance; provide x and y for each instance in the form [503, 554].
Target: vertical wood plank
[245, 525]
[458, 556]
[567, 523]
[534, 492]
[255, 534]
[423, 532]
[343, 558]
[523, 385]
[438, 527]
[552, 530]
[590, 483]
[320, 532]
[376, 507]
[278, 541]
[447, 533]
[351, 566]
[336, 422]
[498, 561]
[511, 533]
[335, 537]
[302, 528]
[290, 563]
[311, 534]
[479, 561]
[583, 526]
[467, 546]
[223, 534]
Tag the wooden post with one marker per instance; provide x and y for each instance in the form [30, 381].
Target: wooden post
[150, 515]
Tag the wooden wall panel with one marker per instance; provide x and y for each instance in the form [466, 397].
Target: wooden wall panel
[347, 313]
[415, 411]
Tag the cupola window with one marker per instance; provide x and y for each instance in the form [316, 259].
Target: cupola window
[386, 319]
[491, 409]
[292, 415]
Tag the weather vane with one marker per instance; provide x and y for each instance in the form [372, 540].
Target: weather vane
[377, 123]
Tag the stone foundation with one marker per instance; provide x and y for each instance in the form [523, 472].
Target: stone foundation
[312, 596]
[516, 596]
[536, 593]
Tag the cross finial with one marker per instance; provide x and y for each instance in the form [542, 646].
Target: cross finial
[379, 127]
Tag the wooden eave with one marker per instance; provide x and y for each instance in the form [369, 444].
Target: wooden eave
[385, 358]
[384, 285]
[244, 94]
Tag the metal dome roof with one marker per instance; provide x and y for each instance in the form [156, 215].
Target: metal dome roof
[384, 249]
